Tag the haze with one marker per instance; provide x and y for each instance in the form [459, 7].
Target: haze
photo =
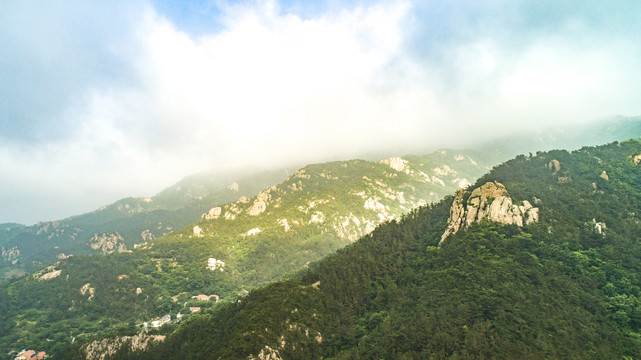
[103, 100]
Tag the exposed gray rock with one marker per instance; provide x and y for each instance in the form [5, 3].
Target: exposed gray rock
[101, 349]
[213, 213]
[554, 165]
[198, 231]
[11, 255]
[260, 204]
[266, 353]
[87, 289]
[490, 202]
[108, 243]
[396, 163]
[599, 227]
[50, 275]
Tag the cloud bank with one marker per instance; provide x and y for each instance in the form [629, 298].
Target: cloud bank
[105, 101]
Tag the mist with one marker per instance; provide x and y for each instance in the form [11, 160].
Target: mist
[104, 101]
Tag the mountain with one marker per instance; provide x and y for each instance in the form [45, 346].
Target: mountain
[122, 225]
[7, 226]
[538, 259]
[128, 222]
[233, 248]
[591, 133]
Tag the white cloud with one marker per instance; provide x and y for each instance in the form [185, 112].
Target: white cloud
[260, 90]
[270, 87]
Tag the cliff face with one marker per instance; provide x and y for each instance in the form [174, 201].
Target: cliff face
[490, 202]
[102, 349]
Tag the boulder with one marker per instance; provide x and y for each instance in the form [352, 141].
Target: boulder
[492, 202]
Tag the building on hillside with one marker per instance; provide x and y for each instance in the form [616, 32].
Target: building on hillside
[162, 321]
[25, 354]
[31, 355]
[194, 308]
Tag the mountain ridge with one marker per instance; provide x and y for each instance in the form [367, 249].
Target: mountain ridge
[174, 208]
[127, 222]
[492, 291]
[247, 243]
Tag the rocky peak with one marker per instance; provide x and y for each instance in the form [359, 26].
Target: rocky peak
[396, 163]
[490, 202]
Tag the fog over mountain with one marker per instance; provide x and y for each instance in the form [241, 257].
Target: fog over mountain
[100, 101]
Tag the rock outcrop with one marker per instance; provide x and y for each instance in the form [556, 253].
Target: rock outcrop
[87, 289]
[108, 243]
[213, 213]
[11, 255]
[599, 227]
[490, 202]
[101, 349]
[198, 231]
[260, 204]
[146, 235]
[554, 165]
[50, 275]
[215, 264]
[396, 163]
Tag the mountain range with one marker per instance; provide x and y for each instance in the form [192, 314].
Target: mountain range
[233, 248]
[227, 234]
[118, 227]
[538, 259]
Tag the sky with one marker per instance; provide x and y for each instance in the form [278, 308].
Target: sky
[104, 100]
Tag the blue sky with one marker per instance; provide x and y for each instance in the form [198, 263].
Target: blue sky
[103, 100]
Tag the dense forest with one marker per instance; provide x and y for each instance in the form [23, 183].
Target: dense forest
[567, 286]
[233, 248]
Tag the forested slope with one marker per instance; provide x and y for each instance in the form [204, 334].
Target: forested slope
[566, 286]
[233, 248]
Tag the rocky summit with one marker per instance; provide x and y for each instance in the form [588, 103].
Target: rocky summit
[492, 202]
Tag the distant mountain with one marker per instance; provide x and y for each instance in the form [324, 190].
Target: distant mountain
[128, 222]
[572, 137]
[7, 226]
[120, 226]
[539, 259]
[237, 245]
[233, 248]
